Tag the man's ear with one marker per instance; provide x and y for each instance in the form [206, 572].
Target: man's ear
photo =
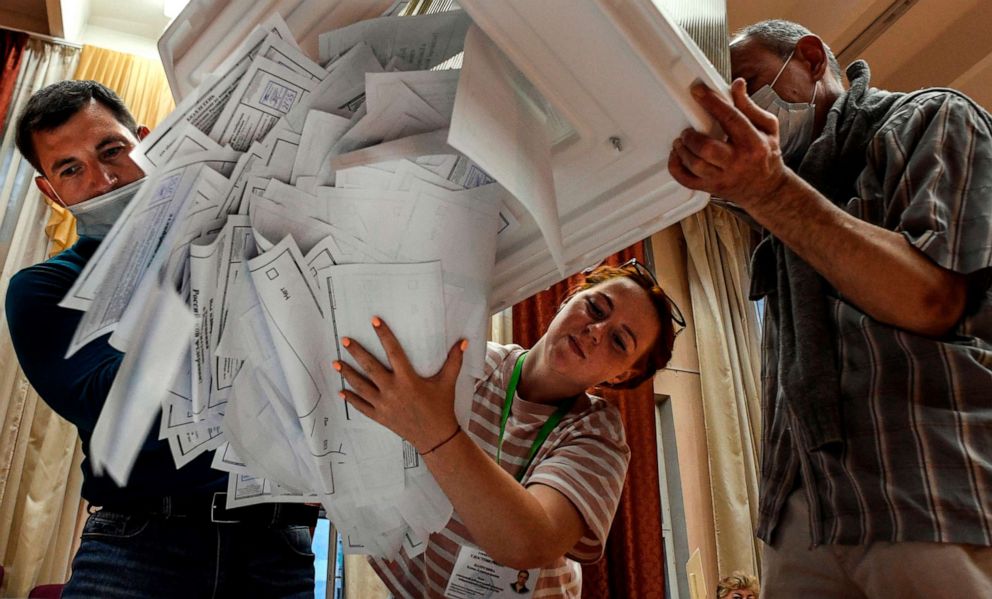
[45, 186]
[142, 132]
[810, 49]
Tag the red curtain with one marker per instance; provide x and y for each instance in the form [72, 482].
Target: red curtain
[634, 562]
[11, 50]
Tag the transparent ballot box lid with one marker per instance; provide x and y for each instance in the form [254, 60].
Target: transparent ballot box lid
[589, 94]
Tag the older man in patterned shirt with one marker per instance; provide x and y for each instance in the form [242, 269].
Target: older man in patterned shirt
[876, 476]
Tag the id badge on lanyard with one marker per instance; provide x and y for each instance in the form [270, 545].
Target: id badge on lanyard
[477, 576]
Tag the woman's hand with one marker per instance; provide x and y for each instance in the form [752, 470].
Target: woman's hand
[519, 527]
[421, 410]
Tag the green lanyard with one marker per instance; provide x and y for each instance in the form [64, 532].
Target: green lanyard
[545, 431]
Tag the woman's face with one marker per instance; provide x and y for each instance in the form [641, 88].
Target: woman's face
[602, 332]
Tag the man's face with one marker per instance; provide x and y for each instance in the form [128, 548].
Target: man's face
[758, 66]
[86, 156]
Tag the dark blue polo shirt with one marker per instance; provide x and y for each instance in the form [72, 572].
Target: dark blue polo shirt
[76, 388]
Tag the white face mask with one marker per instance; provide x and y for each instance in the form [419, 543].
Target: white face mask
[96, 216]
[795, 120]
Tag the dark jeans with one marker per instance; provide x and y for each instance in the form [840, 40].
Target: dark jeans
[138, 556]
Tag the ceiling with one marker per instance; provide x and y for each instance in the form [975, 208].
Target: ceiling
[144, 18]
[908, 43]
[58, 18]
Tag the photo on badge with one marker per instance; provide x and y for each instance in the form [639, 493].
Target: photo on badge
[477, 576]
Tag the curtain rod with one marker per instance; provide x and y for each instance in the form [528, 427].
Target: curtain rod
[43, 37]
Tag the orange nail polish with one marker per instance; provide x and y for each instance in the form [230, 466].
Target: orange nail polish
[341, 394]
[337, 365]
[464, 345]
[345, 341]
[376, 322]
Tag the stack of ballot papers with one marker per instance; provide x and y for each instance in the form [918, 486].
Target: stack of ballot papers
[286, 202]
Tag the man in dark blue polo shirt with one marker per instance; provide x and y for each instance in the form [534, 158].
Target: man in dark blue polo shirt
[165, 534]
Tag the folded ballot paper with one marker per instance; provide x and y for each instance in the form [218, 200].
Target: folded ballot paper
[293, 195]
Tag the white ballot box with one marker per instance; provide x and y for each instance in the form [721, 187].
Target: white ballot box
[573, 108]
[324, 165]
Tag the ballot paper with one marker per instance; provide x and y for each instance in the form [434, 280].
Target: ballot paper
[427, 96]
[492, 125]
[137, 392]
[191, 121]
[286, 203]
[342, 90]
[410, 298]
[267, 92]
[422, 42]
[217, 270]
[108, 282]
[126, 252]
[246, 489]
[288, 299]
[227, 460]
[169, 264]
[280, 51]
[321, 130]
[189, 445]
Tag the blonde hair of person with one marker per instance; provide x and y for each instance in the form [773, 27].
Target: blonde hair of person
[738, 581]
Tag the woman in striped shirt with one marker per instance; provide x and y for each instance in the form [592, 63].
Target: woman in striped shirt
[536, 475]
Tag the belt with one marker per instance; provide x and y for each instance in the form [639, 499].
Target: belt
[211, 508]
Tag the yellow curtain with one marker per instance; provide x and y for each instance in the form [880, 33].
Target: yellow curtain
[142, 84]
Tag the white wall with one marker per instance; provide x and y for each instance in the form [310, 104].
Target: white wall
[103, 37]
[75, 13]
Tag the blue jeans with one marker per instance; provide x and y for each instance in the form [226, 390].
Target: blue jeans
[137, 556]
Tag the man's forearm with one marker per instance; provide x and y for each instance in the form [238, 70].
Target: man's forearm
[876, 269]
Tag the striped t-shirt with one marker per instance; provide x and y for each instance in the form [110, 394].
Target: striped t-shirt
[585, 458]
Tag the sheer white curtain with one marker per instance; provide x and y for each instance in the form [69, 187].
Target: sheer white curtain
[39, 451]
[729, 367]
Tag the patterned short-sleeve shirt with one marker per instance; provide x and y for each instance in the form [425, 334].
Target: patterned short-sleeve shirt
[916, 462]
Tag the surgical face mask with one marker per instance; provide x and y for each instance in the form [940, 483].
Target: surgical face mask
[95, 217]
[795, 120]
